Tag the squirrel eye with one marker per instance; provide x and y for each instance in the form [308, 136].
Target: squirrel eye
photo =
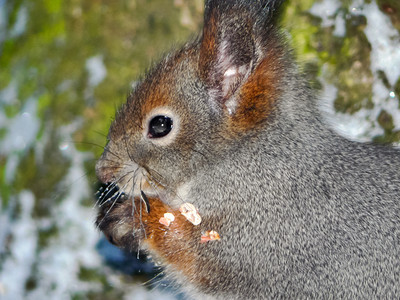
[160, 126]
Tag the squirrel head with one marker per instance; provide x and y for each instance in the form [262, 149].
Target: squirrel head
[199, 102]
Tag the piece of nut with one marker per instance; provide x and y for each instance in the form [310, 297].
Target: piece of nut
[167, 219]
[190, 213]
[210, 235]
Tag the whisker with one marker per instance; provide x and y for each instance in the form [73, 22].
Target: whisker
[111, 207]
[100, 133]
[155, 277]
[126, 144]
[112, 153]
[109, 189]
[84, 143]
[117, 163]
[105, 194]
[150, 171]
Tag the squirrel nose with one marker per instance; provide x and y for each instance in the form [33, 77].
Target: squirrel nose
[104, 172]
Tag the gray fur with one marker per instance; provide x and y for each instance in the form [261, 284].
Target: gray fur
[325, 224]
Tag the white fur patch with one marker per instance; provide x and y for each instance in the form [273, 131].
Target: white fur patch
[230, 72]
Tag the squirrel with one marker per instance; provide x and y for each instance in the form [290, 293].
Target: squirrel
[221, 167]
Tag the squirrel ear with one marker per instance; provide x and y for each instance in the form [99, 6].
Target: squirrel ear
[229, 45]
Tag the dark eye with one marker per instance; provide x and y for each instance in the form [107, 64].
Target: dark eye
[160, 126]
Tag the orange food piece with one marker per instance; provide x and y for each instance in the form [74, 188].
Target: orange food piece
[167, 219]
[210, 235]
[190, 213]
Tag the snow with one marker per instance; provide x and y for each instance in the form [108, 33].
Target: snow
[384, 39]
[20, 24]
[329, 12]
[326, 10]
[58, 265]
[22, 129]
[9, 94]
[21, 132]
[97, 70]
[17, 268]
[385, 56]
[340, 26]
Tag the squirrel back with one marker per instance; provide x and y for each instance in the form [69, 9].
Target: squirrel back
[227, 175]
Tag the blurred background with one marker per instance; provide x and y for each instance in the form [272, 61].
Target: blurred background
[65, 68]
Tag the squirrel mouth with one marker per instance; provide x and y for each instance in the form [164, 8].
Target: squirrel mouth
[111, 193]
[133, 184]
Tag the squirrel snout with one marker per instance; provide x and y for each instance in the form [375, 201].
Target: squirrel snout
[104, 173]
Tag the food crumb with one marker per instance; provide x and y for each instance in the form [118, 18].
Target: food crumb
[190, 213]
[210, 235]
[167, 219]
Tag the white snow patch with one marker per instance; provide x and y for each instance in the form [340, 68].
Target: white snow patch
[74, 247]
[20, 24]
[360, 126]
[5, 224]
[385, 56]
[385, 42]
[329, 12]
[96, 69]
[21, 133]
[326, 11]
[16, 269]
[22, 129]
[340, 26]
[9, 95]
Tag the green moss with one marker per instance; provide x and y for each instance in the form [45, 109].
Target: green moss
[3, 133]
[385, 120]
[388, 138]
[31, 283]
[53, 6]
[46, 235]
[397, 90]
[43, 178]
[346, 59]
[12, 110]
[93, 275]
[5, 189]
[299, 23]
[109, 294]
[382, 76]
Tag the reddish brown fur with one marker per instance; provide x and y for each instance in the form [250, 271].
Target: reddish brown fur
[171, 244]
[208, 51]
[156, 98]
[258, 95]
[178, 245]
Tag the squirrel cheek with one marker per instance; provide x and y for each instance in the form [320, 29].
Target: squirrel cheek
[120, 231]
